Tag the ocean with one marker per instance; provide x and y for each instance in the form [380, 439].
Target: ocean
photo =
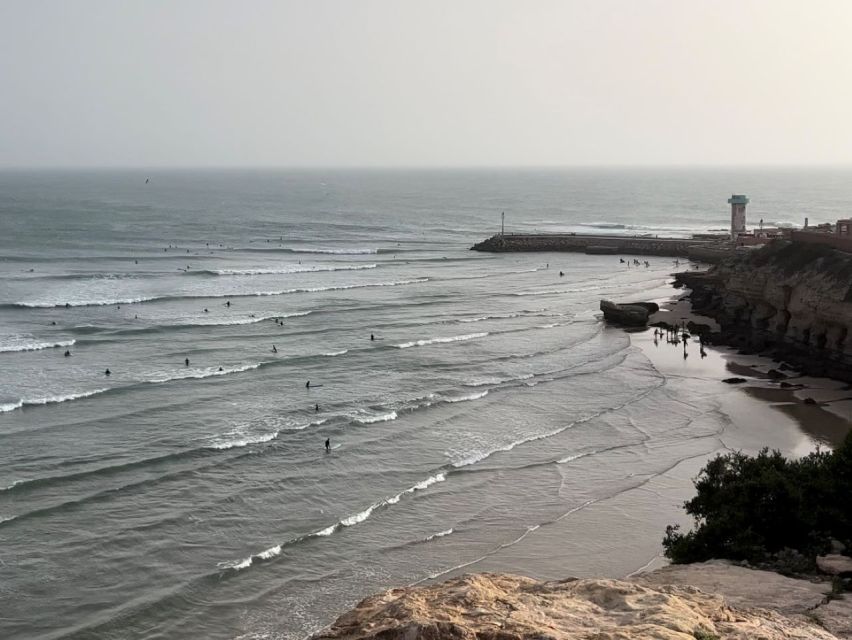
[470, 400]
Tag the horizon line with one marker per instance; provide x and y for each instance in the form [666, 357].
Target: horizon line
[520, 167]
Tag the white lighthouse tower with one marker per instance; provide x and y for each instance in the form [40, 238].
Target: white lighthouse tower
[738, 214]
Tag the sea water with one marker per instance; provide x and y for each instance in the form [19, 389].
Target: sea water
[470, 400]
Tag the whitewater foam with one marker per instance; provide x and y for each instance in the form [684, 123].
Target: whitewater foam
[472, 396]
[25, 402]
[481, 382]
[479, 456]
[423, 343]
[290, 269]
[244, 442]
[349, 521]
[385, 417]
[440, 534]
[207, 372]
[35, 346]
[331, 354]
[100, 303]
[341, 252]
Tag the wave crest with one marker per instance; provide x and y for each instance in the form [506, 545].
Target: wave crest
[423, 343]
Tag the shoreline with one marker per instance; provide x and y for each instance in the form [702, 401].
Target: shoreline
[827, 421]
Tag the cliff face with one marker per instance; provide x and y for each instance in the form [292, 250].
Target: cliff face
[504, 607]
[794, 300]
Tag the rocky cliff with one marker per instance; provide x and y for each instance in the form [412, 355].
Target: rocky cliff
[657, 606]
[792, 300]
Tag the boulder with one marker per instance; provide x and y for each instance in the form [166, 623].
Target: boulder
[810, 401]
[775, 374]
[834, 564]
[631, 315]
[734, 380]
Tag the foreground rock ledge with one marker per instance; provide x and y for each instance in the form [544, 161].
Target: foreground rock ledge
[505, 607]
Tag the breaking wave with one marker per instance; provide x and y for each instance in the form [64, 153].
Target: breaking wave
[286, 270]
[120, 301]
[385, 417]
[423, 343]
[348, 521]
[31, 402]
[35, 346]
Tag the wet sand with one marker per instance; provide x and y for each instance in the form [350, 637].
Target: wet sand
[826, 422]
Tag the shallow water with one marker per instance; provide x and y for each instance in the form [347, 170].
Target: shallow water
[172, 500]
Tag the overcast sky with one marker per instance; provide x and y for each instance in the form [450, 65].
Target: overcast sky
[425, 82]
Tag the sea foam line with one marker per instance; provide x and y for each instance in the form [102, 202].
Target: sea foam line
[482, 455]
[116, 301]
[349, 521]
[291, 269]
[440, 534]
[423, 343]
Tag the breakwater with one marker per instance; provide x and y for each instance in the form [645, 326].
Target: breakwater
[704, 250]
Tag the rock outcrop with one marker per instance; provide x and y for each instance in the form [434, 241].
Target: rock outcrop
[792, 301]
[505, 607]
[631, 315]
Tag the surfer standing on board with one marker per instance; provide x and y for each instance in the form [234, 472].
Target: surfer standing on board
[327, 445]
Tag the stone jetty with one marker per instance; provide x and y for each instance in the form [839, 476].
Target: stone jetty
[703, 250]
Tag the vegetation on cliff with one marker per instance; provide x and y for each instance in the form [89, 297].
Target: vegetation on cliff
[754, 508]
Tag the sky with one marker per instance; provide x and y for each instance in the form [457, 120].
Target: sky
[424, 83]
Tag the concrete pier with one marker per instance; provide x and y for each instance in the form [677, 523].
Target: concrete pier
[703, 250]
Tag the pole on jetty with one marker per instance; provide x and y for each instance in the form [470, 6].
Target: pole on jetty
[502, 223]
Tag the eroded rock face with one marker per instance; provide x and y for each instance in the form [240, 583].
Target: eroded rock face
[505, 607]
[794, 299]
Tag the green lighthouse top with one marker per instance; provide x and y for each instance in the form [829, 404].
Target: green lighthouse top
[738, 199]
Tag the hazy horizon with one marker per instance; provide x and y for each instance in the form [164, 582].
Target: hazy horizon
[441, 85]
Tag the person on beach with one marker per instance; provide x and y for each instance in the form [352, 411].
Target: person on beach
[327, 445]
[186, 361]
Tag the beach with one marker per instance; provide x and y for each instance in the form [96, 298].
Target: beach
[495, 422]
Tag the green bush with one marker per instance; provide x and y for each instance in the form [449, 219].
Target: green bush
[755, 507]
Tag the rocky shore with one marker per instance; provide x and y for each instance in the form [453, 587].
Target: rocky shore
[789, 301]
[704, 601]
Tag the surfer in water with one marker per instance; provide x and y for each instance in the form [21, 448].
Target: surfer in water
[327, 445]
[316, 408]
[274, 350]
[67, 353]
[308, 384]
[372, 337]
[186, 361]
[107, 372]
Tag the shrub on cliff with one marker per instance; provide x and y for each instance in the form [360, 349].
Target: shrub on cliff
[753, 507]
